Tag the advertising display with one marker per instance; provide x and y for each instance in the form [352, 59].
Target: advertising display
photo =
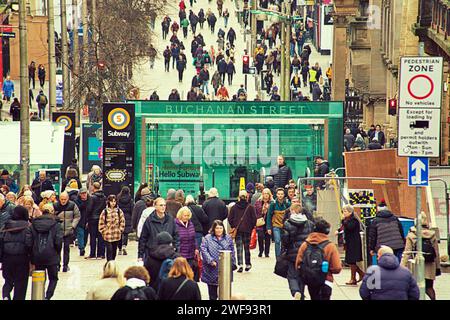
[91, 146]
[68, 120]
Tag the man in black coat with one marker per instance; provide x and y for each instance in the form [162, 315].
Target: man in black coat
[46, 257]
[281, 173]
[40, 184]
[83, 201]
[6, 210]
[322, 168]
[94, 209]
[379, 135]
[214, 208]
[222, 68]
[231, 36]
[349, 140]
[374, 145]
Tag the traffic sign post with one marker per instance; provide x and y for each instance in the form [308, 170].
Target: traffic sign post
[419, 130]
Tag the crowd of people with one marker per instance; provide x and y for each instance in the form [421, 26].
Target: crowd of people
[359, 140]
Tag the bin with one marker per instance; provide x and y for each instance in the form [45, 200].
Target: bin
[407, 223]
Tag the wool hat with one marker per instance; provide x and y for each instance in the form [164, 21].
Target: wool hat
[145, 191]
[250, 187]
[382, 205]
[83, 190]
[164, 238]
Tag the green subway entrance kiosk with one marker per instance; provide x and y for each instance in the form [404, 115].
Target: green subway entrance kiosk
[186, 145]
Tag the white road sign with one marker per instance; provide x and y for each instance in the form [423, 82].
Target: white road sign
[419, 132]
[420, 82]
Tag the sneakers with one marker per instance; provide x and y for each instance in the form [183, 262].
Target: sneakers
[260, 254]
[120, 252]
[247, 268]
[90, 257]
[124, 252]
[297, 296]
[240, 270]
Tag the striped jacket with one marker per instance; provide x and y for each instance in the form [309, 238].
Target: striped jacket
[112, 225]
[386, 230]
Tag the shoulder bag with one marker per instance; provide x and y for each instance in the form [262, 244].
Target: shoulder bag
[233, 231]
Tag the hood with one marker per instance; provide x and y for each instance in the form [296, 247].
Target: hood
[162, 252]
[44, 223]
[134, 283]
[242, 204]
[388, 261]
[384, 214]
[298, 220]
[125, 200]
[100, 193]
[155, 218]
[317, 237]
[13, 224]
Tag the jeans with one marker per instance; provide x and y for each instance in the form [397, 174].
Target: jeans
[243, 240]
[82, 235]
[222, 77]
[185, 32]
[42, 82]
[226, 21]
[263, 242]
[15, 272]
[198, 238]
[111, 250]
[41, 112]
[165, 33]
[67, 240]
[294, 280]
[230, 79]
[52, 274]
[194, 28]
[320, 293]
[166, 64]
[213, 291]
[31, 80]
[292, 49]
[174, 61]
[95, 240]
[398, 253]
[123, 242]
[180, 75]
[205, 87]
[277, 237]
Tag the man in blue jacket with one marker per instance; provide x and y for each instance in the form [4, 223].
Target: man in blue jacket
[388, 280]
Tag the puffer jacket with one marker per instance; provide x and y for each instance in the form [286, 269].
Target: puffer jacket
[293, 235]
[43, 225]
[387, 230]
[126, 204]
[83, 207]
[155, 259]
[281, 175]
[15, 239]
[187, 239]
[97, 205]
[6, 212]
[68, 215]
[390, 281]
[215, 209]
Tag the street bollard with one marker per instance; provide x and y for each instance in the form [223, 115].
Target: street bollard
[362, 235]
[38, 285]
[225, 273]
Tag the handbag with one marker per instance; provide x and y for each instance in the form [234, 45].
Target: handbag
[233, 231]
[260, 222]
[281, 266]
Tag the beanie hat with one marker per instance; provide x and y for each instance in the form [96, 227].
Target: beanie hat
[382, 205]
[250, 187]
[164, 238]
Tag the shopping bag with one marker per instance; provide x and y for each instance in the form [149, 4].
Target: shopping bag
[253, 239]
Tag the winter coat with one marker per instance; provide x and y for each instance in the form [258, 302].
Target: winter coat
[374, 146]
[38, 187]
[215, 209]
[237, 215]
[309, 203]
[231, 68]
[411, 245]
[83, 207]
[8, 181]
[111, 224]
[189, 291]
[222, 66]
[134, 283]
[276, 213]
[260, 212]
[231, 35]
[281, 175]
[41, 73]
[330, 252]
[152, 227]
[15, 240]
[8, 88]
[174, 96]
[68, 215]
[43, 225]
[387, 230]
[172, 207]
[91, 178]
[126, 204]
[316, 92]
[66, 182]
[204, 75]
[322, 170]
[103, 289]
[349, 141]
[154, 260]
[394, 281]
[139, 207]
[181, 65]
[293, 235]
[192, 96]
[381, 137]
[97, 205]
[210, 250]
[6, 212]
[352, 238]
[186, 235]
[199, 217]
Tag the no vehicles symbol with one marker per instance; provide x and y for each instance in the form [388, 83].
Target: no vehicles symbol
[420, 86]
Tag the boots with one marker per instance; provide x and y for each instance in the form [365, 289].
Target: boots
[352, 281]
[360, 273]
[124, 251]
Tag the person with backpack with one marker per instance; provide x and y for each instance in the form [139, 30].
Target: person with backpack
[318, 259]
[295, 231]
[126, 204]
[430, 249]
[136, 286]
[180, 284]
[160, 258]
[15, 249]
[47, 241]
[165, 25]
[42, 101]
[388, 280]
[68, 214]
[274, 218]
[111, 225]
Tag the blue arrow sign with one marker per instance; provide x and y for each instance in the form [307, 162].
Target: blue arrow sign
[418, 172]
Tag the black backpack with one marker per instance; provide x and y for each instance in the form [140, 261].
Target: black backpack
[136, 294]
[311, 266]
[43, 245]
[429, 253]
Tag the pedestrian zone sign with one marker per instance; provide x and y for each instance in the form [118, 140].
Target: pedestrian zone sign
[418, 172]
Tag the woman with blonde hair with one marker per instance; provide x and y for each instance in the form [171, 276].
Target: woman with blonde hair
[11, 197]
[111, 280]
[262, 207]
[48, 197]
[23, 190]
[33, 209]
[186, 236]
[180, 284]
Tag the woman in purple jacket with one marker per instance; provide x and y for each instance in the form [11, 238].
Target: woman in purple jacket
[186, 232]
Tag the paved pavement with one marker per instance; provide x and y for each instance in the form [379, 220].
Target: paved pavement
[260, 283]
